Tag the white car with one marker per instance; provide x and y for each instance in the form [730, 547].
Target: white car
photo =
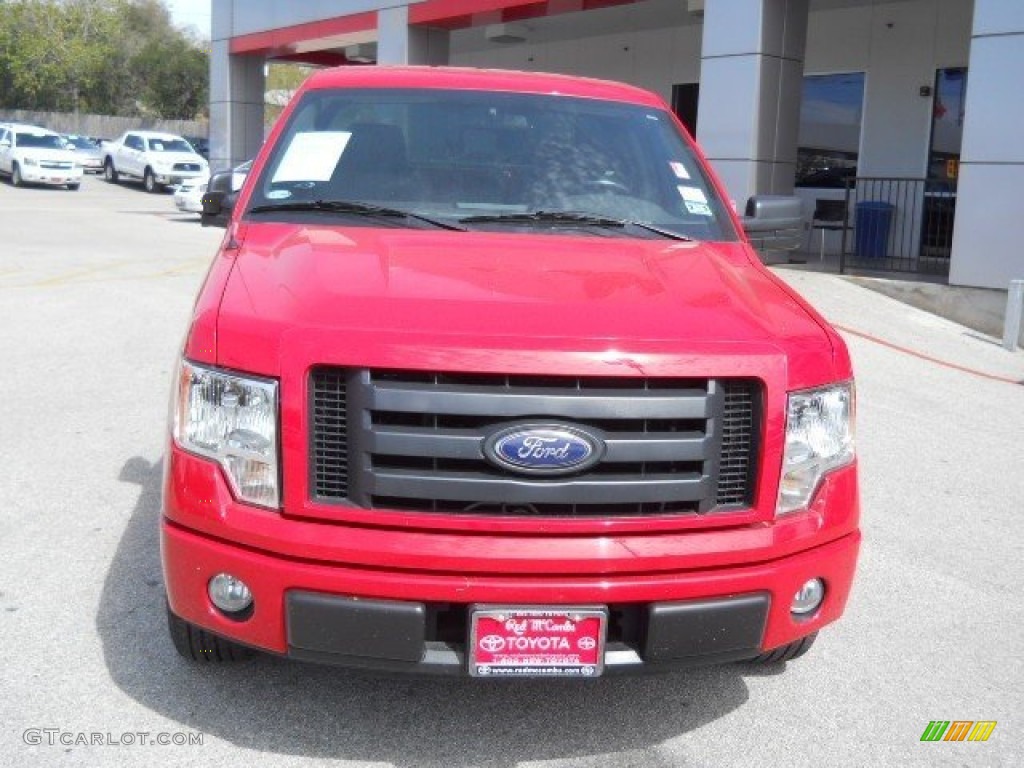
[158, 160]
[188, 197]
[33, 155]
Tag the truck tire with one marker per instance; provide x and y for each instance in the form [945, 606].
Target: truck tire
[149, 182]
[195, 644]
[789, 652]
[16, 180]
[74, 187]
[109, 173]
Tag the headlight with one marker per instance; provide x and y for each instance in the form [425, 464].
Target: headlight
[30, 161]
[819, 438]
[231, 419]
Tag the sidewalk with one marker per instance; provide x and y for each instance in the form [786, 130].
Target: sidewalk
[866, 313]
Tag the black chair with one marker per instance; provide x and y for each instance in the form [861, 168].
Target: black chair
[829, 216]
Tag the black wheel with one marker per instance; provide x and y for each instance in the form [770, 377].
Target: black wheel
[16, 179]
[108, 171]
[74, 187]
[197, 644]
[149, 182]
[789, 652]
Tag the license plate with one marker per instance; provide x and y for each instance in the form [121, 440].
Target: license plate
[537, 642]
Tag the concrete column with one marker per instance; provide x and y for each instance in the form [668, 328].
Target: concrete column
[237, 84]
[988, 230]
[751, 81]
[399, 43]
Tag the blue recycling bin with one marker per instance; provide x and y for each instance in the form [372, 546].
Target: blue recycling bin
[871, 235]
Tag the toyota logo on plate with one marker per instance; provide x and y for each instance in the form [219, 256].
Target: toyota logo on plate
[492, 643]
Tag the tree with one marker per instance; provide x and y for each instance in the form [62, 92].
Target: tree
[122, 57]
[283, 79]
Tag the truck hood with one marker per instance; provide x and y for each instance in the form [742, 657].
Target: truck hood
[427, 298]
[48, 155]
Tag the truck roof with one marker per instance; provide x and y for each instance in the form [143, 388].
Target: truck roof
[466, 78]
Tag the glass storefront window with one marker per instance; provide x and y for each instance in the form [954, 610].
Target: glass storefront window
[830, 118]
[947, 123]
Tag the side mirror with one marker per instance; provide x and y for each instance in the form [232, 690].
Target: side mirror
[217, 207]
[219, 200]
[5, 143]
[774, 222]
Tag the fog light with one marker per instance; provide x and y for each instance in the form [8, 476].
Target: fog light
[808, 597]
[230, 594]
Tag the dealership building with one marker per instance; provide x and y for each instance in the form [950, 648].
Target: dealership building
[908, 110]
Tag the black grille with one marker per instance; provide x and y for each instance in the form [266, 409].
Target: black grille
[329, 417]
[739, 433]
[187, 166]
[413, 441]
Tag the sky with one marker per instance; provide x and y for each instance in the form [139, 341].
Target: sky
[195, 13]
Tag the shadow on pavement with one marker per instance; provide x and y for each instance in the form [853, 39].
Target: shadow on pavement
[282, 707]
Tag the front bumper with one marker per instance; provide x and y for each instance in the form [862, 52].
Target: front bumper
[310, 612]
[55, 176]
[188, 203]
[321, 596]
[173, 179]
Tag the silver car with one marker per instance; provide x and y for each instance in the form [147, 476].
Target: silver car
[87, 152]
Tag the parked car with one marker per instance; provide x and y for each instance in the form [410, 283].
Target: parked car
[158, 160]
[188, 196]
[33, 155]
[87, 152]
[489, 381]
[201, 145]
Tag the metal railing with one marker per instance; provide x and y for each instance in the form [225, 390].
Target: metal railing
[898, 225]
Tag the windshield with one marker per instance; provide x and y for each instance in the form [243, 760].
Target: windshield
[40, 141]
[485, 159]
[169, 145]
[80, 142]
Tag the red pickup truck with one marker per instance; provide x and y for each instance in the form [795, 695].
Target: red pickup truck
[486, 379]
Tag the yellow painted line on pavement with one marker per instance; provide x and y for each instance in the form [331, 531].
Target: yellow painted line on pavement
[69, 277]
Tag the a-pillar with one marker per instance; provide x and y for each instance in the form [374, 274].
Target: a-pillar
[400, 43]
[988, 229]
[751, 81]
[237, 83]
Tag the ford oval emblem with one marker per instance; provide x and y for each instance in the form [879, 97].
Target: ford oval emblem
[543, 449]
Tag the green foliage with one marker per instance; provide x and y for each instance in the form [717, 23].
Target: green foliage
[120, 57]
[283, 79]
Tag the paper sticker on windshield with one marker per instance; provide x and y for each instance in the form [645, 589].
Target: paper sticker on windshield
[278, 194]
[698, 209]
[312, 156]
[692, 194]
[679, 170]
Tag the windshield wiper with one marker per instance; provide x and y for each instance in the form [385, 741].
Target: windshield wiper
[545, 217]
[354, 207]
[576, 218]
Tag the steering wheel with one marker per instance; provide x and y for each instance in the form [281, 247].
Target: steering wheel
[608, 185]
